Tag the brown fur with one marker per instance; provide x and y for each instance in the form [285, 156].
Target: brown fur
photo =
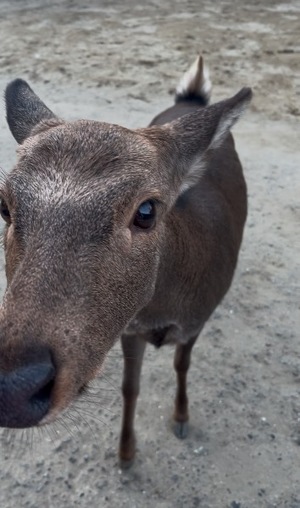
[80, 274]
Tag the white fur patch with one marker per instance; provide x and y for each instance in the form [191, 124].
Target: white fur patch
[194, 174]
[188, 80]
[226, 122]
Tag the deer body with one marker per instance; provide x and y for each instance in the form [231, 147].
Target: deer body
[110, 233]
[199, 254]
[198, 258]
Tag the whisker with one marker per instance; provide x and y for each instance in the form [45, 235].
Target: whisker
[78, 416]
[73, 420]
[63, 423]
[86, 403]
[102, 389]
[108, 380]
[89, 414]
[3, 176]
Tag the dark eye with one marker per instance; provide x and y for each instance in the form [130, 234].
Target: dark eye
[4, 211]
[145, 216]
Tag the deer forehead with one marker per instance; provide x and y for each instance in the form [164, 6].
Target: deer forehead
[81, 160]
[87, 143]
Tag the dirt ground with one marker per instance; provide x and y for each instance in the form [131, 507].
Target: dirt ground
[120, 61]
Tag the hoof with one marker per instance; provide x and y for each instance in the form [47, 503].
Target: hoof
[127, 449]
[126, 464]
[181, 429]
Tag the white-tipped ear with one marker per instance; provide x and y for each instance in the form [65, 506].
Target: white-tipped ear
[231, 109]
[205, 130]
[230, 116]
[195, 83]
[184, 142]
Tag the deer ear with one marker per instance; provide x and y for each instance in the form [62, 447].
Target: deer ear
[24, 109]
[185, 141]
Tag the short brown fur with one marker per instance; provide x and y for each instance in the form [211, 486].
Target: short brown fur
[81, 274]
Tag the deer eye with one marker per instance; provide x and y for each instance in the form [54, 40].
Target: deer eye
[145, 215]
[4, 211]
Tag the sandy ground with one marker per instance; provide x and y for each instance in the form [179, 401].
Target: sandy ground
[120, 61]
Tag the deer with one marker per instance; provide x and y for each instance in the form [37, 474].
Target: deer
[114, 234]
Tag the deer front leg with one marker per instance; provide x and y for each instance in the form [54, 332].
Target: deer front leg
[133, 351]
[182, 361]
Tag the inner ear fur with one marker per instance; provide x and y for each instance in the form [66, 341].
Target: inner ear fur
[184, 142]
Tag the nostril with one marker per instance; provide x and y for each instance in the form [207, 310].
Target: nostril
[44, 394]
[36, 377]
[25, 393]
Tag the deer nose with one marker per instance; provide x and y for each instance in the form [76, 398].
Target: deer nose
[25, 393]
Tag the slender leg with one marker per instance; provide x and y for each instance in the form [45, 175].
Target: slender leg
[181, 364]
[133, 351]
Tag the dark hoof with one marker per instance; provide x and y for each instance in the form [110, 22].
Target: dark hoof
[181, 429]
[126, 464]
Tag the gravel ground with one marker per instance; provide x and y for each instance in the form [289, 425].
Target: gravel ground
[120, 62]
